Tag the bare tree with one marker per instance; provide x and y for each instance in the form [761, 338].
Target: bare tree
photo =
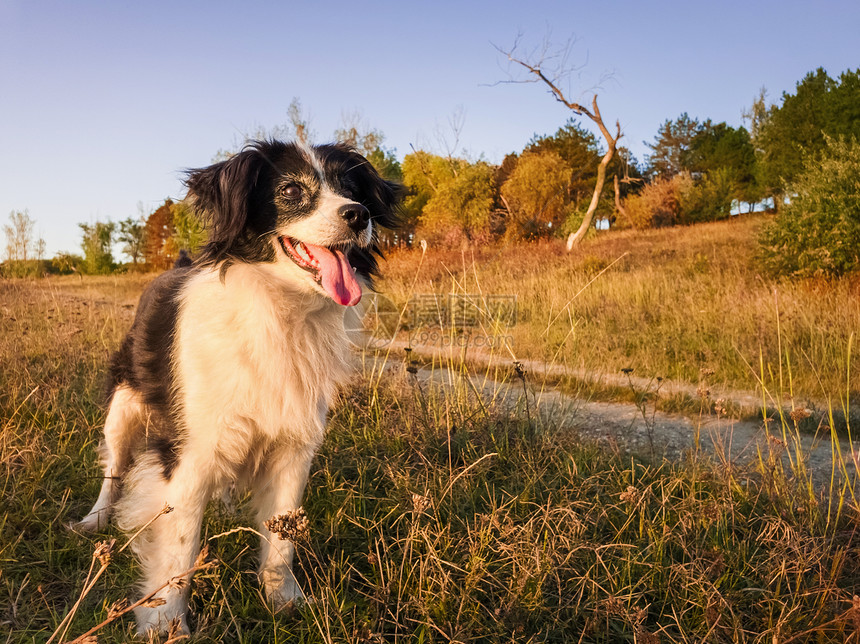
[19, 236]
[297, 127]
[356, 133]
[552, 70]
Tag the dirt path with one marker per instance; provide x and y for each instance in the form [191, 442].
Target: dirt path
[624, 426]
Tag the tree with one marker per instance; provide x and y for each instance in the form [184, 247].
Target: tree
[722, 148]
[451, 199]
[160, 250]
[820, 107]
[20, 245]
[540, 69]
[355, 133]
[297, 127]
[386, 164]
[580, 150]
[537, 194]
[132, 236]
[818, 232]
[188, 231]
[671, 147]
[96, 244]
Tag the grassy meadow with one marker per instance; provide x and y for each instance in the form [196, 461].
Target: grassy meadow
[683, 303]
[435, 516]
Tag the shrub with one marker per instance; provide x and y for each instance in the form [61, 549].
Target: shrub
[818, 232]
[681, 200]
[658, 204]
[708, 198]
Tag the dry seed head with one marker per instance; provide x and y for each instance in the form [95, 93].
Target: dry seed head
[800, 414]
[421, 503]
[154, 602]
[201, 557]
[177, 582]
[720, 407]
[291, 526]
[855, 613]
[776, 441]
[631, 494]
[703, 391]
[103, 551]
[117, 608]
[174, 632]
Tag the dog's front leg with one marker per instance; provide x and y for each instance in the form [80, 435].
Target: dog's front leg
[168, 547]
[278, 490]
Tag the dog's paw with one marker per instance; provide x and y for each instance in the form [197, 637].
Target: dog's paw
[155, 622]
[93, 522]
[282, 590]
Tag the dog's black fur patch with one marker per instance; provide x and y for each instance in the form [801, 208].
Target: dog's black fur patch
[143, 362]
[238, 199]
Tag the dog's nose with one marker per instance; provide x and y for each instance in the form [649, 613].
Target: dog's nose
[355, 215]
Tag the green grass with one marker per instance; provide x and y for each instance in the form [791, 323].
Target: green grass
[435, 517]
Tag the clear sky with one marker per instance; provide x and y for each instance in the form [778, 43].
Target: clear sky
[102, 104]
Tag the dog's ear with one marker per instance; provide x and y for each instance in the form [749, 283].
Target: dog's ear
[222, 193]
[386, 197]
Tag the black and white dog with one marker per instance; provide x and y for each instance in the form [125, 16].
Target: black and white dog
[230, 367]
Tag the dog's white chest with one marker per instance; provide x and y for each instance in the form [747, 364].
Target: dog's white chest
[258, 359]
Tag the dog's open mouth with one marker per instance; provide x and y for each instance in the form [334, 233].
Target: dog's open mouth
[329, 268]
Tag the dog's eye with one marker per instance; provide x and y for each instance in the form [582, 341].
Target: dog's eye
[291, 191]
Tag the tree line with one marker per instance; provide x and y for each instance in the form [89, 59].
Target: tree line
[790, 154]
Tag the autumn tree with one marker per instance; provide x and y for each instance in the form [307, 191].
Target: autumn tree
[296, 127]
[537, 194]
[552, 71]
[580, 150]
[160, 250]
[450, 199]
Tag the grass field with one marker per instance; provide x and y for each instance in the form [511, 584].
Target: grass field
[672, 303]
[435, 517]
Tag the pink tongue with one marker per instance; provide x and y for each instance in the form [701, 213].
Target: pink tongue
[336, 275]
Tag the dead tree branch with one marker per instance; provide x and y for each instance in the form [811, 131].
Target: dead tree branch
[536, 72]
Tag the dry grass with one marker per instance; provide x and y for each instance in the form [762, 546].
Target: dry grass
[672, 303]
[434, 517]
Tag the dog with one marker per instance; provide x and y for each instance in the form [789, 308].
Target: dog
[231, 364]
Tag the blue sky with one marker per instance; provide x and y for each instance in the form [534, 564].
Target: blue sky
[103, 104]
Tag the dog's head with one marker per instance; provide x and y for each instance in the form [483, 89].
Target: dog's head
[313, 211]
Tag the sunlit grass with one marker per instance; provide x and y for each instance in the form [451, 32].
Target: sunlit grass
[439, 512]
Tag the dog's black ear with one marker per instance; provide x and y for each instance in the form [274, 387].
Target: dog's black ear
[385, 196]
[390, 195]
[222, 192]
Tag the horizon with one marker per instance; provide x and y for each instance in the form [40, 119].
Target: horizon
[110, 104]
